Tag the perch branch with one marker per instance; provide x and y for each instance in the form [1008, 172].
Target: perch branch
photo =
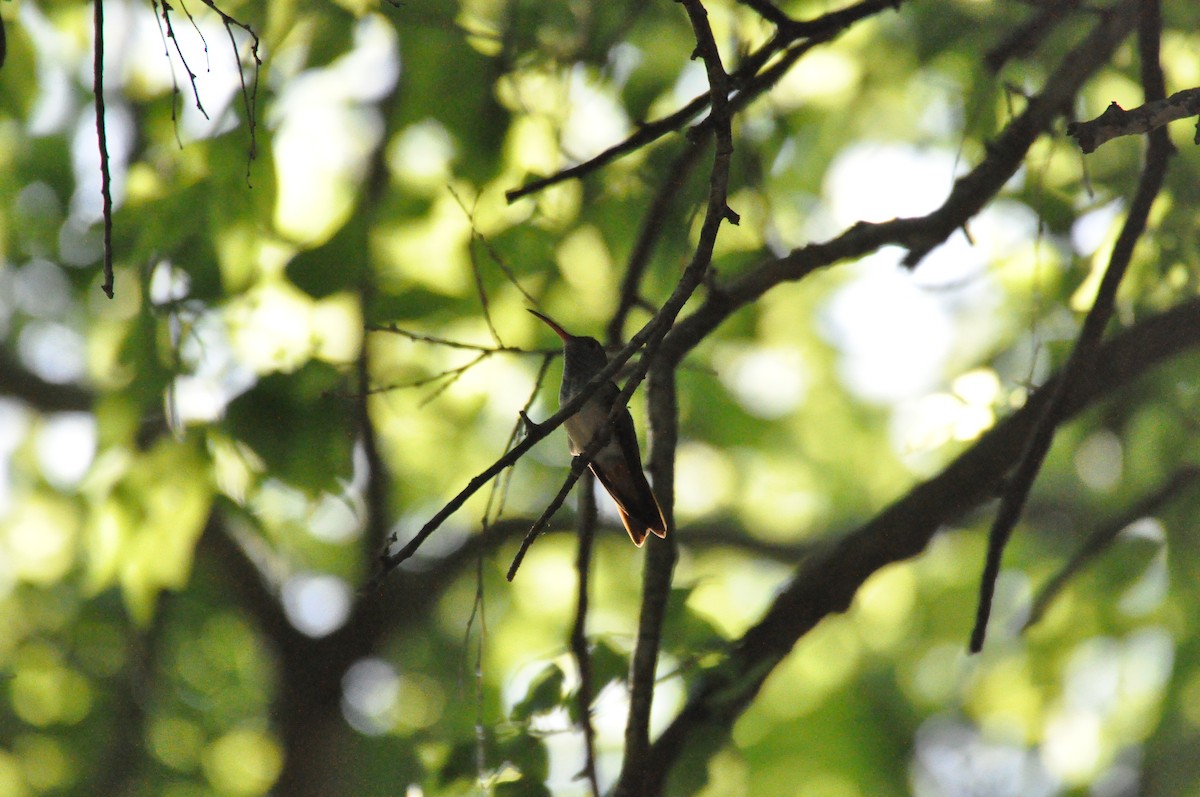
[660, 559]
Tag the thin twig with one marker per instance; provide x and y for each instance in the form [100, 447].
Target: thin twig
[1016, 492]
[166, 17]
[454, 344]
[497, 258]
[579, 641]
[578, 465]
[102, 139]
[1100, 539]
[249, 94]
[653, 226]
[746, 81]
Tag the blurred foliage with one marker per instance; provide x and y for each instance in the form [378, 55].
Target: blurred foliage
[191, 505]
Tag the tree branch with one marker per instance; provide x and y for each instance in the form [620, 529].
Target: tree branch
[919, 235]
[660, 558]
[1116, 121]
[828, 579]
[746, 81]
[1012, 502]
[102, 140]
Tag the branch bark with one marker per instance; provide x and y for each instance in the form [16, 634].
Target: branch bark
[1116, 121]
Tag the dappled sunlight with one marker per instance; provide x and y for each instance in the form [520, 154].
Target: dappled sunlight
[1098, 461]
[922, 426]
[730, 592]
[704, 480]
[327, 130]
[768, 382]
[903, 181]
[276, 327]
[245, 761]
[316, 604]
[428, 252]
[883, 608]
[902, 352]
[779, 499]
[804, 681]
[952, 758]
[53, 351]
[420, 156]
[595, 120]
[213, 485]
[823, 78]
[38, 538]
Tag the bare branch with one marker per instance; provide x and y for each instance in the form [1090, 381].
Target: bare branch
[579, 640]
[1116, 121]
[102, 140]
[578, 466]
[746, 81]
[491, 250]
[661, 557]
[653, 227]
[1082, 358]
[454, 344]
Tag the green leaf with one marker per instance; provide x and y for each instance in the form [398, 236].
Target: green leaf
[300, 424]
[545, 693]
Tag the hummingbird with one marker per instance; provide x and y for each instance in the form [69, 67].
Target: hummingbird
[618, 465]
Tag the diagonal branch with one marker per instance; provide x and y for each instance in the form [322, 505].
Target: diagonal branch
[1012, 502]
[827, 580]
[919, 235]
[746, 81]
[1099, 540]
[653, 226]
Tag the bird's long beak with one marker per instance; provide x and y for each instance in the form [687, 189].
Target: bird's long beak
[562, 333]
